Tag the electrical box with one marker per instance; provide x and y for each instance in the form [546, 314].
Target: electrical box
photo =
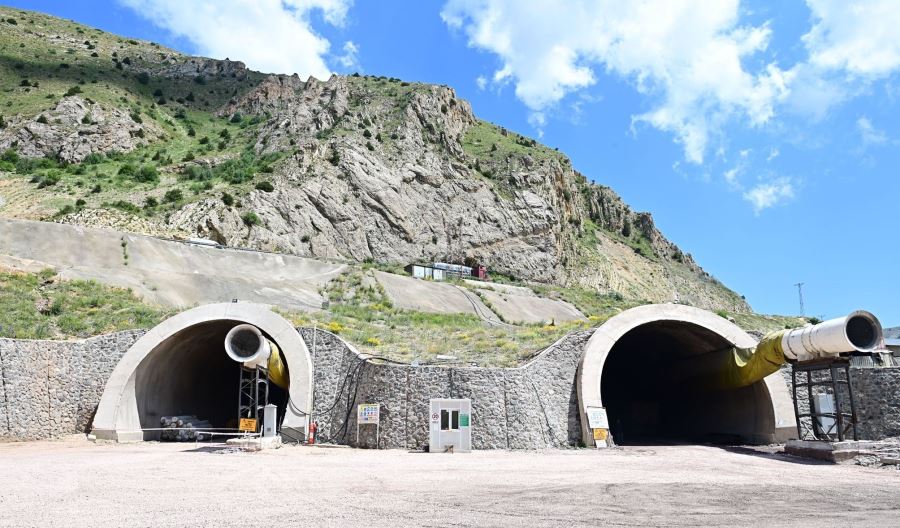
[450, 426]
[270, 419]
[824, 425]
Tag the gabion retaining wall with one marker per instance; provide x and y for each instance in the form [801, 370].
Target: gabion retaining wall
[877, 396]
[51, 388]
[529, 407]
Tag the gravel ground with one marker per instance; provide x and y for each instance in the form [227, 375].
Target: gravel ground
[77, 483]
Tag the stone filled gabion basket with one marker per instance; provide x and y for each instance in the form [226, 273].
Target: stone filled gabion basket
[183, 429]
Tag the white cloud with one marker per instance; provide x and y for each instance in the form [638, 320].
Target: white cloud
[350, 59]
[773, 153]
[858, 37]
[273, 36]
[869, 134]
[769, 194]
[481, 81]
[688, 56]
[850, 45]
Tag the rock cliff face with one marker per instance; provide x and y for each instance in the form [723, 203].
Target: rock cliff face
[390, 171]
[76, 128]
[356, 168]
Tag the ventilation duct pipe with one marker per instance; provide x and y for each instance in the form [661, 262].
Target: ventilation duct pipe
[246, 344]
[739, 367]
[858, 332]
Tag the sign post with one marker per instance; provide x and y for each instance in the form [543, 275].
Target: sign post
[369, 413]
[598, 422]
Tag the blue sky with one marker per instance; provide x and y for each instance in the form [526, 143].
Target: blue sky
[763, 136]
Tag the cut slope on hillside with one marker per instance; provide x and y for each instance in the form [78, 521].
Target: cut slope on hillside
[102, 130]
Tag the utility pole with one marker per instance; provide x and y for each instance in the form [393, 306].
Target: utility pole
[799, 286]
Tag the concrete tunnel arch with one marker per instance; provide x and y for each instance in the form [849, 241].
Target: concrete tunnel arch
[190, 347]
[668, 334]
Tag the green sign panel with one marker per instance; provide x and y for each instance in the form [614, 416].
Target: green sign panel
[464, 420]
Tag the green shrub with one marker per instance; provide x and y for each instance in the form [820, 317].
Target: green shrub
[10, 155]
[265, 186]
[93, 158]
[51, 178]
[147, 174]
[2, 122]
[236, 118]
[136, 117]
[68, 209]
[197, 173]
[173, 196]
[227, 199]
[143, 78]
[80, 202]
[251, 219]
[150, 202]
[74, 90]
[42, 119]
[123, 205]
[129, 170]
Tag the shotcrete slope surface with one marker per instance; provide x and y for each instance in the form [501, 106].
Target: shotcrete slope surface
[166, 272]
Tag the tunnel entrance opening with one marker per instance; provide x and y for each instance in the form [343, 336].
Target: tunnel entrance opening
[652, 385]
[190, 374]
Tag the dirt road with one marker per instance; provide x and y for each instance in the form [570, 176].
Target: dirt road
[77, 483]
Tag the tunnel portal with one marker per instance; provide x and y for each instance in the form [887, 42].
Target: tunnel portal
[180, 368]
[653, 392]
[189, 374]
[654, 368]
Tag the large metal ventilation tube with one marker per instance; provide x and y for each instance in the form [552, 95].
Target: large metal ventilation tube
[738, 367]
[858, 332]
[246, 344]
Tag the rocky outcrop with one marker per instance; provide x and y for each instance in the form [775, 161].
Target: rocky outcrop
[389, 171]
[76, 128]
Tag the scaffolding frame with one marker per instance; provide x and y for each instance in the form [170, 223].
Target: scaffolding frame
[253, 395]
[837, 377]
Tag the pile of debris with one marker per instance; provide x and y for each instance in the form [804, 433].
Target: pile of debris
[882, 454]
[184, 429]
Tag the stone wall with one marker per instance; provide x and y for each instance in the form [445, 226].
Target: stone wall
[877, 392]
[530, 407]
[52, 388]
[877, 397]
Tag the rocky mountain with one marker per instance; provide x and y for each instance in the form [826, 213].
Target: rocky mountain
[104, 131]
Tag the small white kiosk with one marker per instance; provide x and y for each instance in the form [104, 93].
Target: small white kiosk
[450, 426]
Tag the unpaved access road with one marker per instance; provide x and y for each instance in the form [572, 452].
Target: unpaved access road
[77, 483]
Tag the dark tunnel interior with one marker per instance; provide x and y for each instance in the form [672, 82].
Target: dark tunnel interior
[190, 374]
[650, 390]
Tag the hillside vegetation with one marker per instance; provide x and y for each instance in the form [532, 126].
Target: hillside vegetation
[44, 306]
